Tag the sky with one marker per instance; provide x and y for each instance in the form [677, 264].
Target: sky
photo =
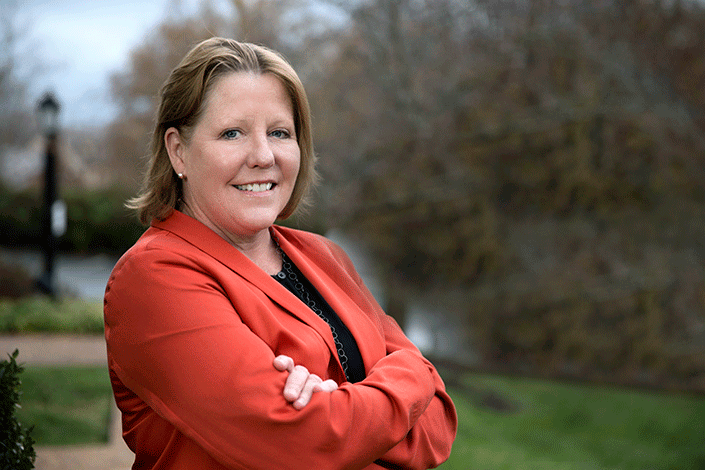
[80, 43]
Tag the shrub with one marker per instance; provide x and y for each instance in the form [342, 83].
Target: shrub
[16, 444]
[97, 220]
[42, 315]
[15, 282]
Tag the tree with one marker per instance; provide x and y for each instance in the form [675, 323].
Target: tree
[387, 137]
[533, 155]
[15, 113]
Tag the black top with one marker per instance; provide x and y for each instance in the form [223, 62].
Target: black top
[348, 352]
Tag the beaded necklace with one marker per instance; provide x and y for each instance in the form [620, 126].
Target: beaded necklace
[304, 295]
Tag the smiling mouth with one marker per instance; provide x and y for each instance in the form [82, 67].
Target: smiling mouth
[255, 188]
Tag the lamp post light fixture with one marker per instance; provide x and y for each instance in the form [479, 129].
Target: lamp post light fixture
[53, 210]
[48, 112]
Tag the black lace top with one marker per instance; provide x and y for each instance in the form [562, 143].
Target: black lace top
[348, 352]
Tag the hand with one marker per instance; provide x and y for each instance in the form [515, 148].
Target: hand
[301, 385]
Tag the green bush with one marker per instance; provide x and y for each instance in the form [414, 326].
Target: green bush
[42, 315]
[16, 444]
[97, 220]
[20, 218]
[15, 282]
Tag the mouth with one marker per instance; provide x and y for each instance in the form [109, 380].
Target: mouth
[255, 187]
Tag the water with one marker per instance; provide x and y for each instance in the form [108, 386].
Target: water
[431, 323]
[75, 275]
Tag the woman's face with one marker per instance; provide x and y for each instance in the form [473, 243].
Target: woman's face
[242, 159]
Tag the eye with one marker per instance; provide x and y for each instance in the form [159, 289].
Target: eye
[231, 134]
[281, 134]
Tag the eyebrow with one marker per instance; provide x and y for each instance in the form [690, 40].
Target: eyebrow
[226, 122]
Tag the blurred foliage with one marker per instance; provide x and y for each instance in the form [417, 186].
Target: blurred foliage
[15, 282]
[544, 157]
[97, 220]
[16, 120]
[44, 315]
[522, 116]
[20, 218]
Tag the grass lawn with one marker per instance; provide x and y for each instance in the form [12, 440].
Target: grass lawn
[556, 426]
[66, 405]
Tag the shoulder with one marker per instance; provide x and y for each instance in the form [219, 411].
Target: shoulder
[154, 250]
[309, 242]
[156, 242]
[323, 251]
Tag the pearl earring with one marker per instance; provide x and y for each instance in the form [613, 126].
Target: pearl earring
[180, 175]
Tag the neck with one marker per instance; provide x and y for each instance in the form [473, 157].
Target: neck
[259, 247]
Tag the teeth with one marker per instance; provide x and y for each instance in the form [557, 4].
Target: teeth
[255, 187]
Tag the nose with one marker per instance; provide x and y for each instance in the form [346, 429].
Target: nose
[261, 153]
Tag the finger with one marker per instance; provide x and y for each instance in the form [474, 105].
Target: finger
[295, 383]
[326, 386]
[283, 363]
[307, 391]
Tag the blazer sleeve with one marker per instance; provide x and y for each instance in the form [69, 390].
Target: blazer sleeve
[176, 341]
[429, 442]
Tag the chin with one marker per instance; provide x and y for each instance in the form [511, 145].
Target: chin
[257, 225]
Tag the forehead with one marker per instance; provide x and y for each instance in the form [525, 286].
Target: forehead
[247, 91]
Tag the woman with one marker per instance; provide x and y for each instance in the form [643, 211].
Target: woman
[235, 343]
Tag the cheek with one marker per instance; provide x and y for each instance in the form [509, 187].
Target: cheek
[207, 154]
[295, 165]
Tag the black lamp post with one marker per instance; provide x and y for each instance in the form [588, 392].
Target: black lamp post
[48, 114]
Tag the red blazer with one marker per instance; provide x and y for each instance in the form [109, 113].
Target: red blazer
[192, 327]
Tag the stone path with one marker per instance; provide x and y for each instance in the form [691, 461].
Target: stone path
[70, 350]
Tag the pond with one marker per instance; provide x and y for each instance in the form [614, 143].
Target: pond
[82, 276]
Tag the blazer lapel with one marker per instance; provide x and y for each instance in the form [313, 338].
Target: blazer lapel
[367, 335]
[206, 240]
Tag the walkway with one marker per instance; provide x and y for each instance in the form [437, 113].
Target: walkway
[68, 350]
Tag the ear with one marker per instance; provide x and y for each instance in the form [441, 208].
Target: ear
[175, 147]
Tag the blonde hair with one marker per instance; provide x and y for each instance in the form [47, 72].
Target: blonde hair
[182, 100]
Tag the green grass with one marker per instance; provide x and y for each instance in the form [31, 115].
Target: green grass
[66, 405]
[558, 426]
[40, 314]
